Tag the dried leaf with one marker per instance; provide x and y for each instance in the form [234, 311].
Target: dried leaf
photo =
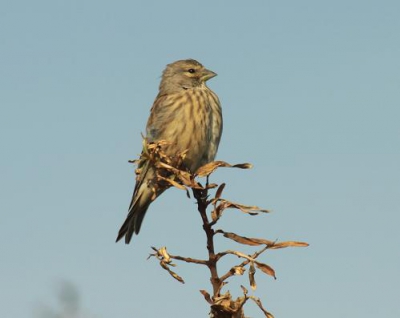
[209, 168]
[259, 304]
[245, 291]
[164, 254]
[252, 271]
[263, 267]
[175, 184]
[240, 254]
[134, 161]
[246, 240]
[177, 277]
[238, 270]
[219, 209]
[206, 296]
[172, 182]
[214, 216]
[266, 269]
[252, 210]
[182, 175]
[223, 301]
[173, 274]
[289, 244]
[219, 191]
[211, 186]
[243, 166]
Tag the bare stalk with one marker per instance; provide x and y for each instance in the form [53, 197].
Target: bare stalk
[202, 204]
[169, 175]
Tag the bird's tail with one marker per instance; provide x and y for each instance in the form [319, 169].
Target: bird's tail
[135, 218]
[143, 195]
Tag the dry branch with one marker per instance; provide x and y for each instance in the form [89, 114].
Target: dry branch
[171, 173]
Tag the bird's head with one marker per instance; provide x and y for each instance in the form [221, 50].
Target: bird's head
[184, 74]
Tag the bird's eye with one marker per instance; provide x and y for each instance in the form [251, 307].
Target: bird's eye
[191, 70]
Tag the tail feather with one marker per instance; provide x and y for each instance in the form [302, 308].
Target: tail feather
[133, 221]
[142, 197]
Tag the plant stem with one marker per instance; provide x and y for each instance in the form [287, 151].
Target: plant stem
[201, 197]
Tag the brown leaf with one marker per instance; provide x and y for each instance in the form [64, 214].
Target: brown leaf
[259, 304]
[164, 254]
[181, 179]
[177, 277]
[168, 167]
[209, 168]
[252, 271]
[266, 269]
[212, 186]
[206, 296]
[245, 291]
[238, 270]
[219, 209]
[134, 161]
[247, 240]
[240, 254]
[217, 212]
[289, 244]
[214, 216]
[249, 209]
[219, 191]
[173, 274]
[172, 182]
[243, 166]
[175, 184]
[224, 302]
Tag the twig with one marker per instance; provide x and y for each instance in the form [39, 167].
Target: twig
[231, 272]
[170, 172]
[189, 260]
[201, 197]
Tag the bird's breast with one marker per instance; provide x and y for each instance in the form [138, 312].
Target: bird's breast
[194, 123]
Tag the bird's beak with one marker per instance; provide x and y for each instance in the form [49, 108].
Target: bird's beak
[207, 74]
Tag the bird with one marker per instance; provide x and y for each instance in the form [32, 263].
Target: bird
[186, 114]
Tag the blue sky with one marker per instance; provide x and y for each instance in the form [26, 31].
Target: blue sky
[310, 96]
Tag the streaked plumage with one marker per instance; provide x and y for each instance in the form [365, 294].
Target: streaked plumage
[187, 114]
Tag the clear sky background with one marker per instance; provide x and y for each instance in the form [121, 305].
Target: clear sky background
[310, 95]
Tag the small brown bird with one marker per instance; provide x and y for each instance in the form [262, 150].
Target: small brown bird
[187, 114]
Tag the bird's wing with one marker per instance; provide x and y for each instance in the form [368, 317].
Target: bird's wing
[162, 113]
[144, 193]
